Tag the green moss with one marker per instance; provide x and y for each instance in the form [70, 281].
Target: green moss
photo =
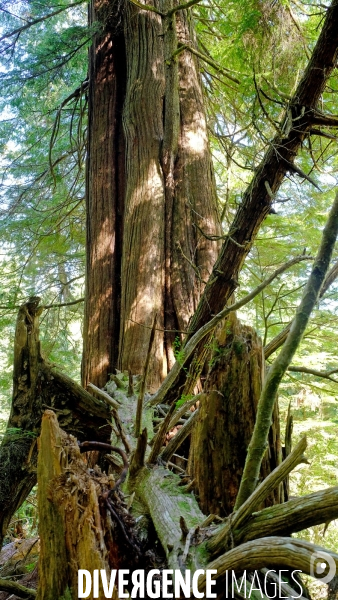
[238, 347]
[67, 595]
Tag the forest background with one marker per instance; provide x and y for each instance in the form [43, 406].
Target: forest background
[253, 55]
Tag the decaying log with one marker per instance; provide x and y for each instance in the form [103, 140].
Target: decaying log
[71, 532]
[15, 589]
[167, 504]
[37, 386]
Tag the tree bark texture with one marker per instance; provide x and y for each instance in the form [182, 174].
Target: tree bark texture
[105, 183]
[146, 253]
[36, 386]
[226, 420]
[71, 532]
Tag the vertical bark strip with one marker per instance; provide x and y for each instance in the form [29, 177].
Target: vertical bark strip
[257, 446]
[170, 189]
[195, 203]
[104, 195]
[143, 243]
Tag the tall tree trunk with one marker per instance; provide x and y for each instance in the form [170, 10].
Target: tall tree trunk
[145, 250]
[105, 183]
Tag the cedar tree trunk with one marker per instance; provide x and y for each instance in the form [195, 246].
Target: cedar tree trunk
[150, 190]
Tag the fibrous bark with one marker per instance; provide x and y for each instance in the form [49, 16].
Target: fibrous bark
[226, 420]
[71, 532]
[145, 251]
[105, 183]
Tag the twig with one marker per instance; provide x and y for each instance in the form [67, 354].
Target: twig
[206, 59]
[144, 380]
[103, 395]
[63, 304]
[323, 374]
[179, 438]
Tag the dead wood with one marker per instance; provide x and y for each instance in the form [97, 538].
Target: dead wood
[37, 385]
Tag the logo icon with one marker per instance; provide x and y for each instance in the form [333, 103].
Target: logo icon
[322, 563]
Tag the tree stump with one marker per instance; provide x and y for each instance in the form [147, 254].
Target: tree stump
[72, 535]
[226, 420]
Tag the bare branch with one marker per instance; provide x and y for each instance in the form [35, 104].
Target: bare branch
[14, 588]
[270, 551]
[183, 6]
[322, 374]
[295, 515]
[148, 7]
[206, 59]
[62, 304]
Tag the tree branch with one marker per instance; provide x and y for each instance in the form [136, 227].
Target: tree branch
[179, 438]
[291, 516]
[221, 540]
[19, 30]
[148, 7]
[63, 304]
[206, 59]
[183, 6]
[258, 443]
[14, 588]
[323, 374]
[280, 338]
[270, 551]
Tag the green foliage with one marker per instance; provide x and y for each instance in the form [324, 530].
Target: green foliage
[183, 399]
